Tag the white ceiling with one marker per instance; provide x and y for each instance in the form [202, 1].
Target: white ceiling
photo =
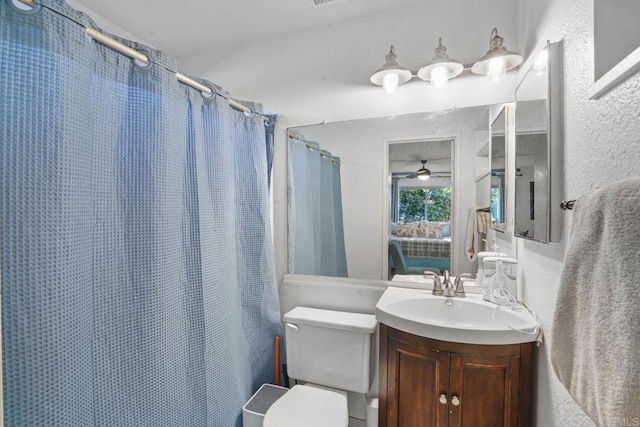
[198, 26]
[414, 152]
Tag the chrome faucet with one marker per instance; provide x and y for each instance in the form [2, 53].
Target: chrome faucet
[444, 287]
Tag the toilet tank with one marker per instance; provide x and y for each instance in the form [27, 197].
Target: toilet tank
[330, 348]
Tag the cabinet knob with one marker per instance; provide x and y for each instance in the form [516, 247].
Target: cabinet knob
[443, 399]
[455, 401]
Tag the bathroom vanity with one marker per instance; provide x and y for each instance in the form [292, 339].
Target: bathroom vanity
[453, 361]
[425, 382]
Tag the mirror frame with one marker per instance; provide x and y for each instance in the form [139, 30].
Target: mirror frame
[555, 139]
[500, 226]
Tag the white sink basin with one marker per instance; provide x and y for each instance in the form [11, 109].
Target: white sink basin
[469, 320]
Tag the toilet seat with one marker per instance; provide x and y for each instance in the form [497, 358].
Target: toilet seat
[309, 406]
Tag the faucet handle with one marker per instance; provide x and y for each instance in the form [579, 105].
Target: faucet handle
[458, 286]
[437, 284]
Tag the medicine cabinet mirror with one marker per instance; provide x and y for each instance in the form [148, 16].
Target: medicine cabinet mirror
[498, 191]
[539, 148]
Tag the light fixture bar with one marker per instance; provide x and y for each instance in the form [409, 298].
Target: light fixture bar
[496, 62]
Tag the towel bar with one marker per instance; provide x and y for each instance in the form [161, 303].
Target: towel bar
[567, 205]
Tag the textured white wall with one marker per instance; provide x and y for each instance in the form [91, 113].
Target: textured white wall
[602, 145]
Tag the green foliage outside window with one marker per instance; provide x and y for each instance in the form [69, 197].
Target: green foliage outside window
[496, 204]
[425, 204]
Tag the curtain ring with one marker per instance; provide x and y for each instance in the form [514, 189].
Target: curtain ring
[209, 95]
[140, 64]
[26, 7]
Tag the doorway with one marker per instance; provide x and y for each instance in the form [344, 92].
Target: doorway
[420, 205]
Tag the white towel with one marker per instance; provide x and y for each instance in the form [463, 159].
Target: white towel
[473, 239]
[483, 220]
[596, 328]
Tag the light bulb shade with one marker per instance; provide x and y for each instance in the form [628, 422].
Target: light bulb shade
[486, 64]
[441, 65]
[423, 174]
[391, 67]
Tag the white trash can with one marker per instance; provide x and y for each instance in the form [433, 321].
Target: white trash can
[253, 411]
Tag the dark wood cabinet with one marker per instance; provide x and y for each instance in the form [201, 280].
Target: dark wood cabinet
[430, 383]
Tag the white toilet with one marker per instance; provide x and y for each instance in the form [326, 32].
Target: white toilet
[330, 351]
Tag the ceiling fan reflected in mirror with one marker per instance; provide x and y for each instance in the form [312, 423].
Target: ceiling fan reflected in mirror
[423, 173]
[413, 175]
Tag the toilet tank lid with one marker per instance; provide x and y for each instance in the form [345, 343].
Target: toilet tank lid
[354, 322]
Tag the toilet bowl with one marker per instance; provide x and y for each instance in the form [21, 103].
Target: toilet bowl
[309, 405]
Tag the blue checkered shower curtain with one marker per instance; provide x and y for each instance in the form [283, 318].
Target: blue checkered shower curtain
[138, 282]
[316, 231]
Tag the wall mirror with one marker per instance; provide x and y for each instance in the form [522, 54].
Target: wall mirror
[372, 154]
[498, 191]
[538, 148]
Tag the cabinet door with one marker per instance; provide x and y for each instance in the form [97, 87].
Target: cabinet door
[484, 391]
[416, 377]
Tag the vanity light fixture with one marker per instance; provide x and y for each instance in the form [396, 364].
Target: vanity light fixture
[498, 59]
[441, 69]
[495, 63]
[391, 74]
[423, 173]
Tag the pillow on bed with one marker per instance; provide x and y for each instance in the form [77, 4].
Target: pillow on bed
[428, 229]
[435, 230]
[406, 229]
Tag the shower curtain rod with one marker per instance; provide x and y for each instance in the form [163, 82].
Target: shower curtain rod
[134, 54]
[309, 144]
